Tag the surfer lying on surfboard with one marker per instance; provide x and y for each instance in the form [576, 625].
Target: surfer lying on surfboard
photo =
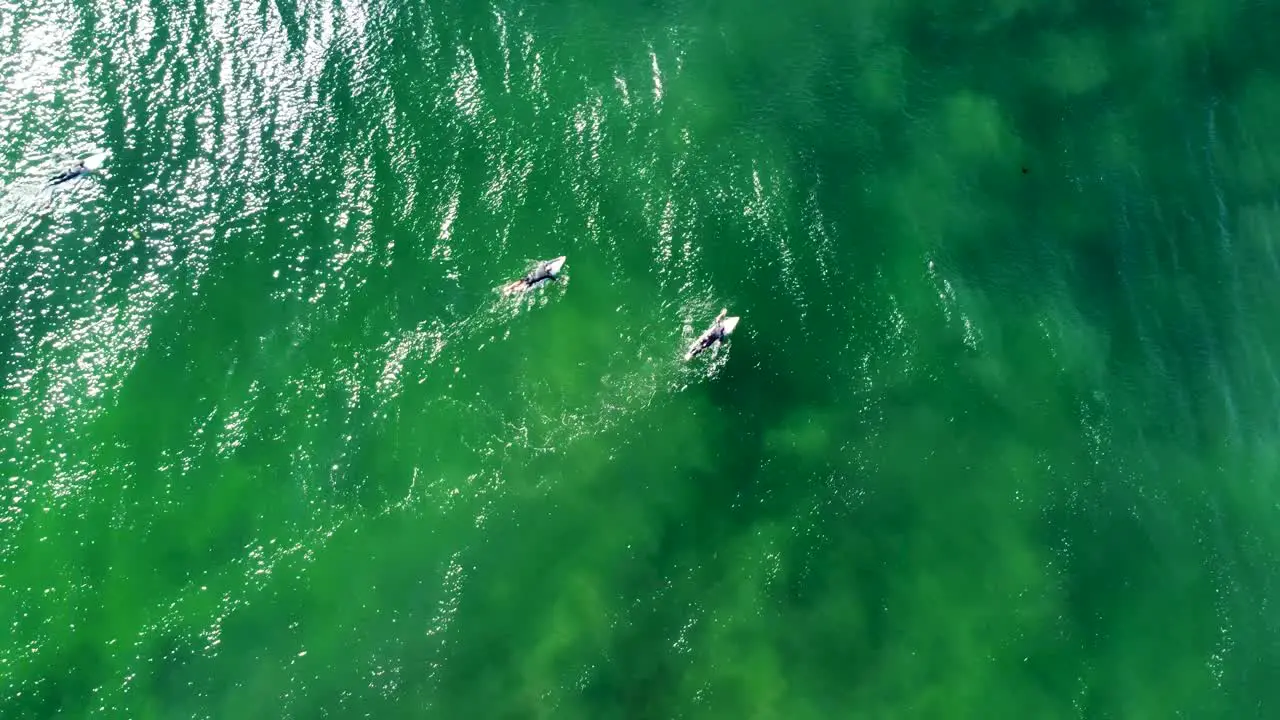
[546, 271]
[84, 167]
[719, 330]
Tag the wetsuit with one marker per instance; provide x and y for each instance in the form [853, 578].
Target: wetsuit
[71, 173]
[712, 336]
[542, 272]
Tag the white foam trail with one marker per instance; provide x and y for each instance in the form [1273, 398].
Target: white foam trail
[621, 83]
[506, 49]
[657, 77]
[665, 238]
[761, 210]
[466, 82]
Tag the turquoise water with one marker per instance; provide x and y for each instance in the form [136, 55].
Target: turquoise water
[996, 438]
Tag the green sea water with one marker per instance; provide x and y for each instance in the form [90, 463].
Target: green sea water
[997, 436]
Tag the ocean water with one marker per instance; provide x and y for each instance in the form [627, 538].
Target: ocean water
[997, 436]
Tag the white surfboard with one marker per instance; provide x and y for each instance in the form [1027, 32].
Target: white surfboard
[553, 266]
[96, 161]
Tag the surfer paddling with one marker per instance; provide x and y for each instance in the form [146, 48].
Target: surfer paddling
[719, 330]
[546, 271]
[80, 169]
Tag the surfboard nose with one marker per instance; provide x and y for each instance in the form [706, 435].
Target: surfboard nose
[95, 161]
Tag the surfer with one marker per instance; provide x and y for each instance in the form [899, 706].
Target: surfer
[545, 271]
[719, 330]
[80, 169]
[70, 173]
